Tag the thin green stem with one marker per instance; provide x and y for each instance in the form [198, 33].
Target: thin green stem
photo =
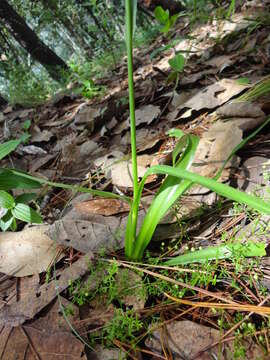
[129, 44]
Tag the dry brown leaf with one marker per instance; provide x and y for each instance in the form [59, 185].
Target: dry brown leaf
[215, 146]
[146, 114]
[49, 337]
[186, 339]
[105, 207]
[121, 172]
[240, 109]
[26, 252]
[17, 312]
[215, 95]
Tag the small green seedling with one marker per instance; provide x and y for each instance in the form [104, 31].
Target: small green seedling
[14, 208]
[177, 63]
[164, 18]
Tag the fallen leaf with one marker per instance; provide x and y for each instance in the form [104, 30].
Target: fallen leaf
[16, 313]
[221, 62]
[101, 353]
[26, 252]
[48, 336]
[240, 109]
[32, 150]
[105, 207]
[215, 95]
[105, 162]
[121, 173]
[186, 339]
[41, 136]
[215, 146]
[146, 114]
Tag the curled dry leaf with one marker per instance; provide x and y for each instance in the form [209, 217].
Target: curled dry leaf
[26, 252]
[101, 206]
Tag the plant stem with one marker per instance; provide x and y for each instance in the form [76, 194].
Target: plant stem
[130, 239]
[129, 44]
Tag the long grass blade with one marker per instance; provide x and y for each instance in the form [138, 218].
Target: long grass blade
[226, 251]
[35, 181]
[222, 189]
[171, 189]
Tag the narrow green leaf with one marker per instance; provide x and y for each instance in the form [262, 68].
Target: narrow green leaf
[26, 181]
[224, 190]
[249, 249]
[171, 189]
[25, 213]
[134, 16]
[173, 20]
[16, 180]
[177, 63]
[7, 147]
[166, 28]
[6, 200]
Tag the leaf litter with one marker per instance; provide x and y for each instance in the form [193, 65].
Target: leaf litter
[203, 104]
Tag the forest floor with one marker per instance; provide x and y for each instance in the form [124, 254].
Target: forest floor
[66, 291]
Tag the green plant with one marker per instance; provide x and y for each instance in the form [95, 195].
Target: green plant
[178, 180]
[164, 18]
[177, 64]
[13, 209]
[123, 327]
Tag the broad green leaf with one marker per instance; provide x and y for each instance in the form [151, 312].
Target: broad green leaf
[6, 200]
[7, 147]
[161, 15]
[249, 249]
[7, 222]
[177, 63]
[25, 198]
[10, 179]
[25, 213]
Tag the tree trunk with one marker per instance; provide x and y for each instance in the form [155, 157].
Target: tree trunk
[28, 39]
[173, 6]
[65, 21]
[2, 101]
